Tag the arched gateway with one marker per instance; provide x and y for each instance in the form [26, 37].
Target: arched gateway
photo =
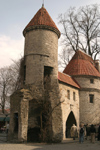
[70, 121]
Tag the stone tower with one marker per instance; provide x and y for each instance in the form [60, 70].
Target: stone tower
[41, 58]
[40, 71]
[83, 69]
[41, 48]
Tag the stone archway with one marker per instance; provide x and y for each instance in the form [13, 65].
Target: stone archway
[70, 121]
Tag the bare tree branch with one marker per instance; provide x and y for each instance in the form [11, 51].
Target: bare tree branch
[81, 30]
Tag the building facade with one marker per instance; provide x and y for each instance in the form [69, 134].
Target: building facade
[68, 98]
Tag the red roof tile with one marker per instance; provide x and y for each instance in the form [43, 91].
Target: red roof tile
[81, 64]
[81, 55]
[42, 17]
[67, 79]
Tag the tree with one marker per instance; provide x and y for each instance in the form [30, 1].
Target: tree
[45, 111]
[15, 69]
[81, 30]
[8, 83]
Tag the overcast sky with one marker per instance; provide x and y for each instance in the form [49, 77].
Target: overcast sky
[16, 14]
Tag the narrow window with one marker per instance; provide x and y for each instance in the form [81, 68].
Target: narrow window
[15, 122]
[74, 96]
[24, 73]
[91, 97]
[68, 94]
[92, 81]
[47, 78]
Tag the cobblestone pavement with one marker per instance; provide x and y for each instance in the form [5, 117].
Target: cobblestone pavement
[67, 145]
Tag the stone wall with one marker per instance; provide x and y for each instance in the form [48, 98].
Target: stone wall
[57, 126]
[41, 49]
[41, 52]
[40, 72]
[84, 82]
[14, 108]
[89, 112]
[19, 105]
[69, 105]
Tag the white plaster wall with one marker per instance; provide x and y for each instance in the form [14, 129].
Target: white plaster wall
[69, 105]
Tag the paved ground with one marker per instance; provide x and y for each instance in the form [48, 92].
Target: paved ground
[69, 144]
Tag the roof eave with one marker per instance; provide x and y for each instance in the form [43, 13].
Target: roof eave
[78, 87]
[45, 27]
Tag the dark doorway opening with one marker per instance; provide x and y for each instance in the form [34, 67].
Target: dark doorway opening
[16, 122]
[70, 121]
[33, 134]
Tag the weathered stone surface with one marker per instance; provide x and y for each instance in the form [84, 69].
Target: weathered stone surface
[89, 112]
[69, 105]
[43, 96]
[41, 83]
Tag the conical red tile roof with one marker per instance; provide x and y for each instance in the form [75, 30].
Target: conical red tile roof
[81, 64]
[42, 18]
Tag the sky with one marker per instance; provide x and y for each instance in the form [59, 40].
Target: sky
[16, 14]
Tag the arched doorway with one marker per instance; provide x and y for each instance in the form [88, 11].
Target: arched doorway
[70, 121]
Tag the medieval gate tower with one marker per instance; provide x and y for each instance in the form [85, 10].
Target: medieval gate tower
[40, 72]
[71, 97]
[41, 58]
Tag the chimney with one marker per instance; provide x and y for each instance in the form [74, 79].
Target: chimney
[97, 65]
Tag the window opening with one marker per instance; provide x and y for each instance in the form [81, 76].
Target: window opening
[74, 96]
[68, 94]
[47, 78]
[92, 81]
[91, 97]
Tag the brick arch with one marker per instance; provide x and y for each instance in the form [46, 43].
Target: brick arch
[69, 122]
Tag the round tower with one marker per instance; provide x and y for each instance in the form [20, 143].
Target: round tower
[82, 69]
[41, 67]
[41, 48]
[39, 83]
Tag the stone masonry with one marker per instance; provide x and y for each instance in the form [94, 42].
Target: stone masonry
[49, 102]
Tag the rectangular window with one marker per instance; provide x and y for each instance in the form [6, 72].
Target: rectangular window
[68, 94]
[74, 96]
[91, 97]
[92, 81]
